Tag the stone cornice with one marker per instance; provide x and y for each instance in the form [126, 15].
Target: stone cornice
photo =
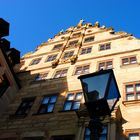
[131, 103]
[83, 44]
[50, 66]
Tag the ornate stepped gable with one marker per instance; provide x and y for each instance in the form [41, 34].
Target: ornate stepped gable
[73, 29]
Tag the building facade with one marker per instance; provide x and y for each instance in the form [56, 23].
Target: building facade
[45, 106]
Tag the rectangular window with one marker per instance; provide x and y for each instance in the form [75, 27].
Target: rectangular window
[58, 46]
[129, 60]
[25, 106]
[134, 136]
[61, 73]
[82, 70]
[86, 50]
[105, 65]
[73, 101]
[68, 54]
[105, 47]
[4, 84]
[89, 39]
[47, 104]
[51, 58]
[132, 91]
[41, 76]
[103, 135]
[73, 43]
[35, 61]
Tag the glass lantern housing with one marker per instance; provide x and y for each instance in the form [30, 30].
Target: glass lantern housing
[100, 91]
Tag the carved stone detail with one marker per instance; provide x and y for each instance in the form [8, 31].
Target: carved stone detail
[97, 24]
[55, 63]
[63, 61]
[73, 59]
[80, 23]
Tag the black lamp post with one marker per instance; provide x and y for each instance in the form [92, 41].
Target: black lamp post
[101, 95]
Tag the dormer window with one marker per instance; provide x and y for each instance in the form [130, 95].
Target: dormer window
[76, 34]
[86, 50]
[129, 60]
[106, 46]
[82, 70]
[61, 73]
[68, 54]
[108, 64]
[132, 91]
[58, 46]
[35, 61]
[89, 39]
[51, 58]
[73, 43]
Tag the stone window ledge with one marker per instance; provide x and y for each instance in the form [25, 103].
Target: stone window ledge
[130, 65]
[131, 103]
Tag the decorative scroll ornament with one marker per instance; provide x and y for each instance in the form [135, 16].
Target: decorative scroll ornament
[55, 63]
[73, 59]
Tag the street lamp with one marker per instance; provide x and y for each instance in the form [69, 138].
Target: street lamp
[101, 94]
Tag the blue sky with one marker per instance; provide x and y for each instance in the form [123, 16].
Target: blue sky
[34, 21]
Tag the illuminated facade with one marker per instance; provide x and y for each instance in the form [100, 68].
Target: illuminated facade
[45, 107]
